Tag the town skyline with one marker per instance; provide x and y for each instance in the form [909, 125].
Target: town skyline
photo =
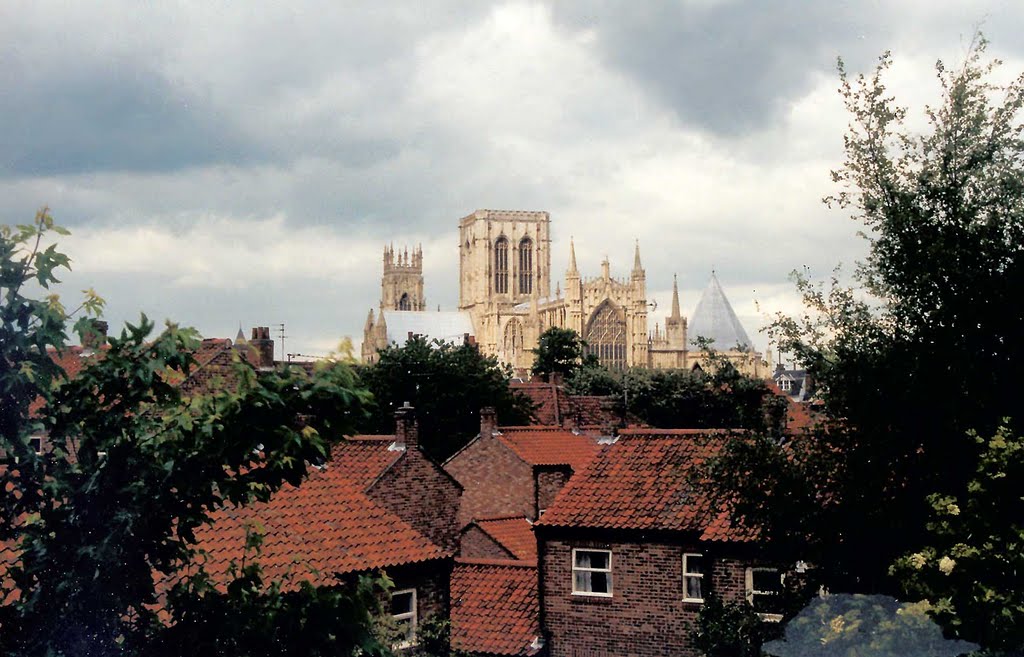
[246, 165]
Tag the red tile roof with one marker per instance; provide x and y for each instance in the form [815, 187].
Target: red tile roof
[364, 460]
[798, 414]
[545, 400]
[513, 534]
[494, 607]
[643, 482]
[550, 446]
[554, 407]
[326, 525]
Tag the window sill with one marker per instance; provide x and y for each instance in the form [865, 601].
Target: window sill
[592, 598]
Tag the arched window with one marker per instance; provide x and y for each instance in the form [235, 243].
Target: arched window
[526, 266]
[606, 336]
[404, 303]
[501, 266]
[513, 342]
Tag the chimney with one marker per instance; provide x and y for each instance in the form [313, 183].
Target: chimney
[406, 429]
[263, 345]
[488, 422]
[95, 336]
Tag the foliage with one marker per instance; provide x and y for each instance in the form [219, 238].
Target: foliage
[559, 351]
[433, 639]
[134, 468]
[928, 348]
[974, 553]
[447, 385]
[853, 625]
[592, 378]
[729, 629]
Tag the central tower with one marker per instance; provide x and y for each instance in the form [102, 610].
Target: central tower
[504, 259]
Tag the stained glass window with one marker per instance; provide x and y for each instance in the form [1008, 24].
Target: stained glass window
[526, 266]
[501, 266]
[606, 336]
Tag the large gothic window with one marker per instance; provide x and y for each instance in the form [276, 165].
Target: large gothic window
[606, 336]
[404, 303]
[526, 266]
[501, 266]
[513, 342]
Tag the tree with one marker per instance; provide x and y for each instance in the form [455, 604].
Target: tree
[447, 384]
[559, 351]
[729, 629]
[924, 351]
[132, 468]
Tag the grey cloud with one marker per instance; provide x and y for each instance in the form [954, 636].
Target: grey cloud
[729, 67]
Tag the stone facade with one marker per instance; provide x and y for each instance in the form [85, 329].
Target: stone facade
[505, 274]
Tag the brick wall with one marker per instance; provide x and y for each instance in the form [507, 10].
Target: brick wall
[431, 580]
[476, 544]
[549, 483]
[420, 492]
[496, 482]
[645, 615]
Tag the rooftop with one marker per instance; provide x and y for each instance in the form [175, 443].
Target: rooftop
[494, 607]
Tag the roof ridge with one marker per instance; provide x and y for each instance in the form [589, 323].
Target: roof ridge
[496, 518]
[507, 563]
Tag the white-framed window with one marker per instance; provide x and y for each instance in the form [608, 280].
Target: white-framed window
[764, 592]
[785, 384]
[693, 577]
[592, 572]
[403, 611]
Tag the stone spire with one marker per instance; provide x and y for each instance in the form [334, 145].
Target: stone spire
[572, 258]
[636, 258]
[675, 298]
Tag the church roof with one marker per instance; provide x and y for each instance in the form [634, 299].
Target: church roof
[446, 325]
[715, 319]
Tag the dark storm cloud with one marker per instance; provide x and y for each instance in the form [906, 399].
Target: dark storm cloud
[95, 116]
[729, 67]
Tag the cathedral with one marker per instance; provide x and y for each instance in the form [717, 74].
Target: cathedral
[505, 303]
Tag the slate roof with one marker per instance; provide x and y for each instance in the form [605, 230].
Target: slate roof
[494, 607]
[715, 319]
[643, 482]
[444, 325]
[513, 534]
[327, 525]
[550, 446]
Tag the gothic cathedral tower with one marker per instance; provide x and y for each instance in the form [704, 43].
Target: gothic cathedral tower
[401, 286]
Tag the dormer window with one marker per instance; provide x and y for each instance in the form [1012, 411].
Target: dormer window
[785, 384]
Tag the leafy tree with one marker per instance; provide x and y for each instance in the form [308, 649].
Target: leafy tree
[592, 378]
[133, 467]
[926, 350]
[447, 384]
[729, 629]
[974, 553]
[559, 351]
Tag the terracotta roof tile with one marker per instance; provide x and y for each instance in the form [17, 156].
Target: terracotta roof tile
[545, 398]
[327, 525]
[643, 482]
[513, 534]
[494, 607]
[362, 461]
[550, 446]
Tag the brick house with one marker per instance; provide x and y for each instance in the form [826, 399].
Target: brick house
[516, 471]
[377, 503]
[632, 546]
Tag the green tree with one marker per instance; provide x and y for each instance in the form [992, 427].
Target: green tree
[926, 350]
[559, 351]
[447, 385]
[730, 629]
[133, 468]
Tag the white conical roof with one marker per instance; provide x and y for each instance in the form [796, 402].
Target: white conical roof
[715, 319]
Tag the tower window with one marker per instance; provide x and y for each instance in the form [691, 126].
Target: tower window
[501, 266]
[526, 266]
[404, 303]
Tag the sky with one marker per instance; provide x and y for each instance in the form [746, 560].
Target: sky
[226, 163]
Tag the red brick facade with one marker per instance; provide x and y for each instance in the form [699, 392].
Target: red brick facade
[420, 492]
[646, 615]
[431, 582]
[496, 482]
[549, 482]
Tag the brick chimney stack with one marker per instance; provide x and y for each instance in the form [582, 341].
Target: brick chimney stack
[488, 422]
[263, 345]
[96, 336]
[406, 429]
